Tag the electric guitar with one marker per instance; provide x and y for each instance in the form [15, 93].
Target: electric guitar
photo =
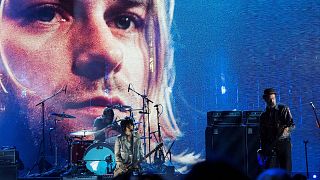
[126, 168]
[262, 158]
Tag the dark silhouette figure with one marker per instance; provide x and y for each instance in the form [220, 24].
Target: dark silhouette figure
[274, 174]
[215, 169]
[299, 177]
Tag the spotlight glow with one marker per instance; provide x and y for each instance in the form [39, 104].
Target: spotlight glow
[223, 89]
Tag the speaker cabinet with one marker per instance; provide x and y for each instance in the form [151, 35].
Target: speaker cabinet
[228, 143]
[236, 144]
[252, 145]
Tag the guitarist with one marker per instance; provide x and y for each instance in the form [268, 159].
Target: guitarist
[127, 149]
[276, 124]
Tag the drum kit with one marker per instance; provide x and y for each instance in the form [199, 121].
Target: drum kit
[86, 156]
[89, 156]
[97, 157]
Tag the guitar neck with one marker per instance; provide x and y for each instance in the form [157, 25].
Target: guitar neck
[147, 155]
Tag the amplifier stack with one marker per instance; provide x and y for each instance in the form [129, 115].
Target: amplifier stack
[234, 136]
[9, 158]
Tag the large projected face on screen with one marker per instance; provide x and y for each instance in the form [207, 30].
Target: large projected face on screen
[95, 48]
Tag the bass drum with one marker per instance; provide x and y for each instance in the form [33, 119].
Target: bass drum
[78, 148]
[100, 159]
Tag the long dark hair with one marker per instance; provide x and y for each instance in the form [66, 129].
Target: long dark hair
[125, 122]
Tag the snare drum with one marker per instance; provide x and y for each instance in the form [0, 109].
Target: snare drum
[100, 159]
[78, 149]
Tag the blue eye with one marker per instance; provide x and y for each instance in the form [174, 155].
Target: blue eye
[123, 22]
[127, 21]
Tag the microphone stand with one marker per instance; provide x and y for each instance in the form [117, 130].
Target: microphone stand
[305, 151]
[169, 151]
[145, 100]
[149, 135]
[315, 113]
[161, 155]
[42, 163]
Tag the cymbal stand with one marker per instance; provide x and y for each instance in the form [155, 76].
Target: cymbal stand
[55, 142]
[145, 110]
[149, 131]
[42, 163]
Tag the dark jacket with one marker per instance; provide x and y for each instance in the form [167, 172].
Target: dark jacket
[272, 123]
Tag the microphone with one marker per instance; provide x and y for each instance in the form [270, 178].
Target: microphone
[312, 105]
[65, 89]
[129, 88]
[156, 105]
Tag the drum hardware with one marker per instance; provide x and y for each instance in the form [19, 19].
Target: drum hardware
[159, 158]
[42, 163]
[120, 107]
[55, 146]
[145, 111]
[83, 133]
[136, 109]
[51, 129]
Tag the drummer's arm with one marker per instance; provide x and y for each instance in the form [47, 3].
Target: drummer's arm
[95, 134]
[96, 129]
[115, 126]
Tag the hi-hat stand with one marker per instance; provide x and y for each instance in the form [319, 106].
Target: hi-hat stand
[42, 163]
[145, 110]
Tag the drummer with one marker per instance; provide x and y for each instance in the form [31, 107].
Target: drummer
[105, 123]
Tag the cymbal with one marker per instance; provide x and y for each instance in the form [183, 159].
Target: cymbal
[63, 115]
[83, 133]
[121, 107]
